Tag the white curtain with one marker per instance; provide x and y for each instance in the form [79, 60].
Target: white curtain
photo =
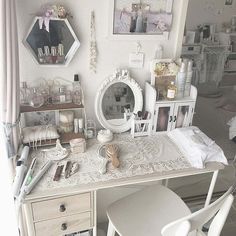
[9, 75]
[9, 112]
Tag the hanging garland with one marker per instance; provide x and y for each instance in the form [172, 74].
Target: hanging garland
[93, 45]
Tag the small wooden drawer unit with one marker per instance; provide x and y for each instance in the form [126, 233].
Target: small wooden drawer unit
[60, 215]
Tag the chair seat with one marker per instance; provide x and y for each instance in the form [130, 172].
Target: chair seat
[145, 212]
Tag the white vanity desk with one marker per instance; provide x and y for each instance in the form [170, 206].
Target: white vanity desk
[69, 205]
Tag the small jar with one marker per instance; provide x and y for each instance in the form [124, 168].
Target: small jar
[78, 145]
[66, 121]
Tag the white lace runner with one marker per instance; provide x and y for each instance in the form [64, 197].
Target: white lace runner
[138, 156]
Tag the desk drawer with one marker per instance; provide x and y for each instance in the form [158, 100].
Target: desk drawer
[64, 225]
[60, 207]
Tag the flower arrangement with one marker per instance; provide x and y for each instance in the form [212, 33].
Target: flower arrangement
[54, 11]
[166, 68]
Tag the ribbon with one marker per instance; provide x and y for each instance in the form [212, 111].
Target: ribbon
[44, 20]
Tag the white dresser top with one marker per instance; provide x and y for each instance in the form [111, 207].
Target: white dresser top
[142, 159]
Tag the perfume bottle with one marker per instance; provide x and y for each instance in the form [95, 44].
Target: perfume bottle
[61, 95]
[77, 93]
[48, 58]
[68, 96]
[54, 54]
[36, 98]
[60, 56]
[41, 57]
[171, 91]
[24, 94]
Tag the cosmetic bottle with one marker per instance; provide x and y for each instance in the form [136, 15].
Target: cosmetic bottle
[41, 57]
[36, 98]
[53, 54]
[77, 93]
[60, 56]
[68, 96]
[189, 76]
[171, 91]
[24, 94]
[61, 96]
[47, 54]
[181, 79]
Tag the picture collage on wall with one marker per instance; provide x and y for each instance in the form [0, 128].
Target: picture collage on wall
[146, 17]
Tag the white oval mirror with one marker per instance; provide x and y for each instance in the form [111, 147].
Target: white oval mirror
[117, 99]
[52, 45]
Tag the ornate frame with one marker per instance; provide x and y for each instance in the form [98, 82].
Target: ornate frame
[138, 97]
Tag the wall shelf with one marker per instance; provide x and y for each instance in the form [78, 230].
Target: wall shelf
[51, 107]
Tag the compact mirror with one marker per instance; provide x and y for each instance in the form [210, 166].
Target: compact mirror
[116, 101]
[51, 42]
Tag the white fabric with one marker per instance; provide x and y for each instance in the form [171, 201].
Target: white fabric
[9, 110]
[232, 128]
[197, 147]
[39, 133]
[9, 73]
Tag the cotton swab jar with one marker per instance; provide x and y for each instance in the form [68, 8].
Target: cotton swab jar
[66, 121]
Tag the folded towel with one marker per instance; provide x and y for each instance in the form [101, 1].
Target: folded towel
[232, 128]
[197, 147]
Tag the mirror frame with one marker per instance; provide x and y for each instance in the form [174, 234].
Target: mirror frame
[68, 56]
[138, 98]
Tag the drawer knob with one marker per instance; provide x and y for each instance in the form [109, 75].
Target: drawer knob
[62, 208]
[64, 226]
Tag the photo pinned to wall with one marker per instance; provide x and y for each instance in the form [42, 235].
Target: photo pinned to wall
[147, 17]
[228, 2]
[40, 118]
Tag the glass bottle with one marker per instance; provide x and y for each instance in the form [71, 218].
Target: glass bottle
[61, 95]
[41, 57]
[24, 94]
[36, 98]
[68, 96]
[77, 93]
[171, 91]
[48, 58]
[54, 54]
[60, 56]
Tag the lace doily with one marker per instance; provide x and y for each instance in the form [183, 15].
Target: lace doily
[139, 156]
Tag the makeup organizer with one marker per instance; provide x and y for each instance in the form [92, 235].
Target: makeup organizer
[141, 125]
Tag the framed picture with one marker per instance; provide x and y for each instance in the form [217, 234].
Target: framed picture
[137, 20]
[228, 2]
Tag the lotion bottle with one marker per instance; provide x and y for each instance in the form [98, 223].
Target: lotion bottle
[189, 76]
[181, 79]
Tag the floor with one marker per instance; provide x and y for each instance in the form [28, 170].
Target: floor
[213, 121]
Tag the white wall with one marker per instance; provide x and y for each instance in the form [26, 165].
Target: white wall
[112, 54]
[208, 11]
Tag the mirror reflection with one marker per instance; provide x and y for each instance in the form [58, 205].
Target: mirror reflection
[52, 45]
[118, 103]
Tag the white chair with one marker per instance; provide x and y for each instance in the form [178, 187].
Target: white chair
[157, 210]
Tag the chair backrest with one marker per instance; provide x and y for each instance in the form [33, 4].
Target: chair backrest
[218, 209]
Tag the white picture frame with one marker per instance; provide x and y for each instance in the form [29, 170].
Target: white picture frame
[164, 35]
